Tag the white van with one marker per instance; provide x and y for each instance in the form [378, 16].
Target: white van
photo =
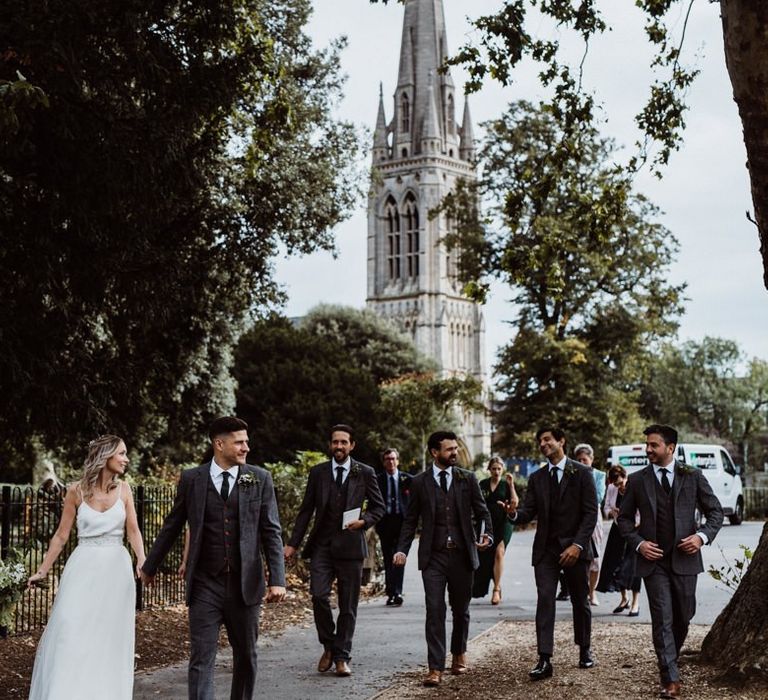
[713, 460]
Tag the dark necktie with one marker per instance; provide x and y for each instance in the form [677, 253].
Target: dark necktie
[444, 481]
[555, 485]
[225, 485]
[392, 495]
[665, 481]
[339, 477]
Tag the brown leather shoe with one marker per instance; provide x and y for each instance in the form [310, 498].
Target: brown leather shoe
[433, 678]
[458, 664]
[326, 661]
[670, 690]
[342, 668]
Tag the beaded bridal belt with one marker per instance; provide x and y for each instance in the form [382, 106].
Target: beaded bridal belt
[101, 541]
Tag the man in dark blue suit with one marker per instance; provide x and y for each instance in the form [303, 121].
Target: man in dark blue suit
[395, 487]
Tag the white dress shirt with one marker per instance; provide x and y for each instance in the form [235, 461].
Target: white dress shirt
[344, 466]
[448, 475]
[670, 472]
[560, 465]
[218, 479]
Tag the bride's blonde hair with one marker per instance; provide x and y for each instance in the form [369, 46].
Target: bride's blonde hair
[99, 452]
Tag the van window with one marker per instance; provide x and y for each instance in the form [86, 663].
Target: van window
[702, 460]
[727, 463]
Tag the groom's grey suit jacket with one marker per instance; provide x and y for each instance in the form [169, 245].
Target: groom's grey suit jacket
[257, 519]
[689, 489]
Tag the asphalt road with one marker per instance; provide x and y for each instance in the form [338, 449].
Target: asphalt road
[391, 640]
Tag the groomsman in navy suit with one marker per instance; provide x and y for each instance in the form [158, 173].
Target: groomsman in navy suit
[395, 487]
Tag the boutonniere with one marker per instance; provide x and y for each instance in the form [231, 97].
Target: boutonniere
[685, 469]
[459, 475]
[569, 469]
[247, 480]
[354, 470]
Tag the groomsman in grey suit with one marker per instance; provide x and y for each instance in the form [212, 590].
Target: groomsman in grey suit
[668, 541]
[562, 498]
[231, 512]
[395, 487]
[344, 497]
[446, 498]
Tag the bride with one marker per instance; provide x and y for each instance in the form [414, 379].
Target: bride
[86, 651]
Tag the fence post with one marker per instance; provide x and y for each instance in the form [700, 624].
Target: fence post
[5, 524]
[140, 514]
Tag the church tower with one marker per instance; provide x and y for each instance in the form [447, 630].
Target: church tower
[417, 158]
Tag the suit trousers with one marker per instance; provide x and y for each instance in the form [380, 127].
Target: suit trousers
[218, 599]
[323, 569]
[448, 568]
[388, 529]
[672, 601]
[547, 573]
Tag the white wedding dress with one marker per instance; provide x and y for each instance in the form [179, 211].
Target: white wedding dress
[86, 650]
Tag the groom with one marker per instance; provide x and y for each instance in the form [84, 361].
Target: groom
[232, 514]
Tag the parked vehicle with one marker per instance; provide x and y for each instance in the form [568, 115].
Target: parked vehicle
[718, 467]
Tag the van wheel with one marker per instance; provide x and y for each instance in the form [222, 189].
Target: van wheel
[738, 514]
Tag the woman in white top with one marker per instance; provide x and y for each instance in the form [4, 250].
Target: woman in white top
[87, 649]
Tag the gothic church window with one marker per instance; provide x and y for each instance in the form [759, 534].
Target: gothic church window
[451, 116]
[392, 231]
[411, 217]
[405, 113]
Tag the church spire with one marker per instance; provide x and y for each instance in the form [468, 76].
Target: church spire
[430, 136]
[467, 135]
[380, 146]
[424, 96]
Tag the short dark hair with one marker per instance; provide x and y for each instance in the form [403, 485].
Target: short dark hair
[557, 433]
[667, 432]
[616, 471]
[225, 425]
[344, 428]
[434, 440]
[389, 450]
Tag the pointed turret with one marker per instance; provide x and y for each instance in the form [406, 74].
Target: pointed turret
[431, 139]
[380, 146]
[467, 135]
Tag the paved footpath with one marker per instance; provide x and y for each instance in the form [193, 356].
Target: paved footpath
[389, 641]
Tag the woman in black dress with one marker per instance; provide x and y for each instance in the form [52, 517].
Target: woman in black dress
[496, 491]
[617, 572]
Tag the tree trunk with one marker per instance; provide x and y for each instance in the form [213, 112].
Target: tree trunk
[738, 640]
[745, 33]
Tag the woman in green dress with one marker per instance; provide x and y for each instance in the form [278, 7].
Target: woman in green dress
[496, 491]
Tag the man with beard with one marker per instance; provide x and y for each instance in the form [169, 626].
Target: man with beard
[345, 499]
[563, 501]
[668, 541]
[446, 498]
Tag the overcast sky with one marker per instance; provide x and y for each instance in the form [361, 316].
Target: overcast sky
[704, 194]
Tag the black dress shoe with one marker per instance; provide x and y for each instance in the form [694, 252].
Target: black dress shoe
[585, 658]
[397, 600]
[633, 614]
[541, 670]
[390, 600]
[620, 608]
[563, 595]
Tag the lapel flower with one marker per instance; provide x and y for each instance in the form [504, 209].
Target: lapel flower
[247, 480]
[570, 470]
[685, 469]
[354, 470]
[459, 474]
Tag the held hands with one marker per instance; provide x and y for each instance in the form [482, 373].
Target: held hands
[139, 564]
[650, 550]
[484, 543]
[570, 555]
[146, 579]
[275, 594]
[37, 579]
[690, 544]
[289, 552]
[399, 559]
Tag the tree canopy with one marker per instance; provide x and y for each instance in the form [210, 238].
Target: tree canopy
[587, 262]
[153, 159]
